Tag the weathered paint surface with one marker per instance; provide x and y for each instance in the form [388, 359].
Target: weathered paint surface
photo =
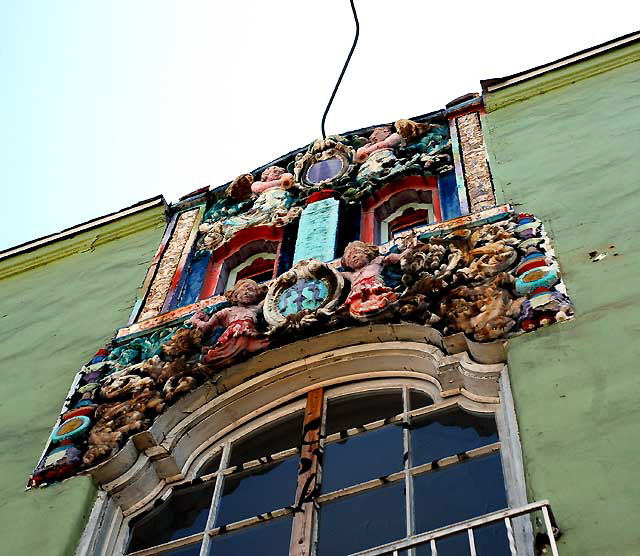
[571, 157]
[52, 317]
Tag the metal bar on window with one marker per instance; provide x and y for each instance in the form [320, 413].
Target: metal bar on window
[549, 528]
[215, 499]
[434, 548]
[162, 548]
[408, 463]
[457, 458]
[418, 470]
[253, 520]
[459, 527]
[340, 436]
[308, 475]
[472, 542]
[512, 540]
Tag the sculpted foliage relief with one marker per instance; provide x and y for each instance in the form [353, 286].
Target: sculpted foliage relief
[352, 166]
[483, 284]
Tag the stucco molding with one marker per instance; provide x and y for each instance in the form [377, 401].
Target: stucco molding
[554, 78]
[81, 241]
[154, 459]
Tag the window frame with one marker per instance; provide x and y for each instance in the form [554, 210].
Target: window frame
[113, 527]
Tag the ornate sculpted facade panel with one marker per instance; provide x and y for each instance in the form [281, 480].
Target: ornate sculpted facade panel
[467, 281]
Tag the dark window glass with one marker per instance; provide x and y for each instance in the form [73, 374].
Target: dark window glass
[212, 466]
[266, 539]
[275, 437]
[184, 514]
[362, 521]
[449, 433]
[352, 411]
[362, 457]
[419, 399]
[191, 550]
[490, 540]
[249, 494]
[455, 545]
[459, 492]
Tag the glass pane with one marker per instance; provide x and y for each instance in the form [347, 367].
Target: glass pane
[419, 399]
[275, 437]
[359, 458]
[490, 540]
[362, 521]
[266, 539]
[270, 488]
[449, 433]
[352, 411]
[459, 492]
[324, 170]
[455, 545]
[212, 466]
[184, 514]
[191, 550]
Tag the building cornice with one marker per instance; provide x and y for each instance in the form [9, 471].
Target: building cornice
[79, 238]
[498, 93]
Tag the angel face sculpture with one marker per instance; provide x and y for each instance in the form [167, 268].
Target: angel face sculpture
[369, 294]
[240, 322]
[272, 206]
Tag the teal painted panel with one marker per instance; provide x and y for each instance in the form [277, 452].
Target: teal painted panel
[318, 231]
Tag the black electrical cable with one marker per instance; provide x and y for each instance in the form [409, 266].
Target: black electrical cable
[344, 68]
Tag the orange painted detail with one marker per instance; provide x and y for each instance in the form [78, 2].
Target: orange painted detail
[308, 486]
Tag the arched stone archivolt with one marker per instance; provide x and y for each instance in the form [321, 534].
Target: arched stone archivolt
[178, 443]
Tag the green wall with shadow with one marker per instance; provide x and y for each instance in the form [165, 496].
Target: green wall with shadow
[53, 318]
[571, 157]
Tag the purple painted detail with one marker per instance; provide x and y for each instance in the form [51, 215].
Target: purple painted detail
[324, 170]
[93, 376]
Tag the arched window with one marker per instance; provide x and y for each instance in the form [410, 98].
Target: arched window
[372, 431]
[251, 253]
[400, 205]
[393, 463]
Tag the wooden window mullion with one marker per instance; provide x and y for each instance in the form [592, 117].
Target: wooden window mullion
[308, 476]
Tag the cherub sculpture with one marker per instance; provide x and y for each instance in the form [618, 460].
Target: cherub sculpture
[272, 206]
[381, 139]
[241, 319]
[369, 294]
[380, 161]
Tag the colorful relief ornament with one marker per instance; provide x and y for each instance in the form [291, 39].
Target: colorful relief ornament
[302, 297]
[463, 281]
[369, 295]
[272, 206]
[413, 149]
[326, 163]
[241, 335]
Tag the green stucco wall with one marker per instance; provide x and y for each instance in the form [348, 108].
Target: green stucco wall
[571, 157]
[52, 320]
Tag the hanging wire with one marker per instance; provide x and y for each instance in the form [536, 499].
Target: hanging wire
[344, 68]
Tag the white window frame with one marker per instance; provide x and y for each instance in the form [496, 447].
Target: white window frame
[107, 530]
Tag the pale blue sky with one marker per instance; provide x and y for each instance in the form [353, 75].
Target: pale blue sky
[108, 103]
